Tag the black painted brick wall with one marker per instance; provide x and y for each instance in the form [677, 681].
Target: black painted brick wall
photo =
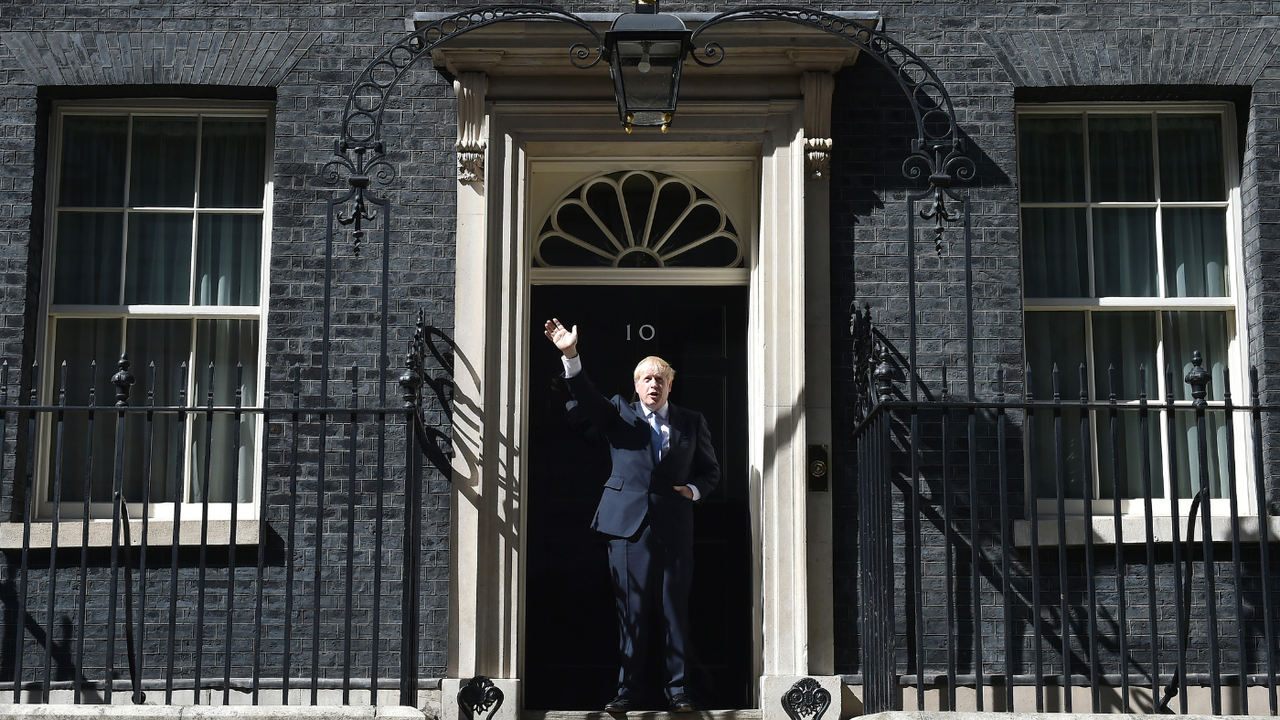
[983, 51]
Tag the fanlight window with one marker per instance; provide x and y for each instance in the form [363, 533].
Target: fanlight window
[638, 219]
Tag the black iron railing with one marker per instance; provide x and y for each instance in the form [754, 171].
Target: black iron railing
[271, 545]
[1050, 543]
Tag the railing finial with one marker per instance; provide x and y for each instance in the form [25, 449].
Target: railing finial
[1198, 378]
[123, 380]
[415, 363]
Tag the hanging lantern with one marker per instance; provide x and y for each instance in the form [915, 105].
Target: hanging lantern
[646, 52]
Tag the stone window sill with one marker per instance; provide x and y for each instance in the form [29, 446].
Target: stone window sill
[1134, 530]
[159, 533]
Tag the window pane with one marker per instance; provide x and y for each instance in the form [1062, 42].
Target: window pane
[164, 163]
[1051, 158]
[167, 344]
[1191, 158]
[93, 152]
[1128, 438]
[1189, 457]
[1056, 338]
[1055, 252]
[78, 343]
[1186, 332]
[228, 259]
[158, 270]
[233, 163]
[87, 266]
[1120, 158]
[1124, 252]
[225, 343]
[1195, 252]
[1126, 340]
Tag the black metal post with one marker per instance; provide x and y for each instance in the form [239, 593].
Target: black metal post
[1037, 622]
[1060, 476]
[1241, 649]
[123, 380]
[1121, 567]
[1144, 418]
[1006, 538]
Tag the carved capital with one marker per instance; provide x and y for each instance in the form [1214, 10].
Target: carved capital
[472, 131]
[817, 87]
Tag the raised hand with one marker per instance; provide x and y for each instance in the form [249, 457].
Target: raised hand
[566, 340]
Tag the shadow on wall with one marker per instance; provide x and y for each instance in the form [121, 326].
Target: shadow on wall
[872, 129]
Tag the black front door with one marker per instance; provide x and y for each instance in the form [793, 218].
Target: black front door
[571, 628]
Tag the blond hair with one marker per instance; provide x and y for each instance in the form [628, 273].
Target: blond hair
[653, 362]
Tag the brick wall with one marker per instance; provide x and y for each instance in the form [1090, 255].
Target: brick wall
[988, 54]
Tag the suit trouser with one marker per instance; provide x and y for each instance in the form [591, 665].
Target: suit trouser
[638, 564]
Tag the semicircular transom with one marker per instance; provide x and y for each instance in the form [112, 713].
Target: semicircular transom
[638, 219]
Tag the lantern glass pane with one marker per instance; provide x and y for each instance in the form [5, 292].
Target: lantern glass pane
[648, 90]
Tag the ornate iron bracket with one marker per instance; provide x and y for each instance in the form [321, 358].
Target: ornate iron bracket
[478, 696]
[806, 699]
[368, 163]
[359, 151]
[937, 152]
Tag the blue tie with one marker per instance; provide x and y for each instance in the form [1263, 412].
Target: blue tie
[655, 442]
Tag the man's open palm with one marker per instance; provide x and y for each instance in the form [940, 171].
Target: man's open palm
[566, 340]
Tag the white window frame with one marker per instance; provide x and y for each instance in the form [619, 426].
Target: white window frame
[1233, 305]
[51, 313]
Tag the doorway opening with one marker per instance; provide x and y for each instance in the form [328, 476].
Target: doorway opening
[571, 627]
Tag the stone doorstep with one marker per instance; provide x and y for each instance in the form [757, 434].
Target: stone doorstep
[206, 712]
[646, 715]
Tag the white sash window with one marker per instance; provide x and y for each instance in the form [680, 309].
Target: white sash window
[1131, 259]
[157, 249]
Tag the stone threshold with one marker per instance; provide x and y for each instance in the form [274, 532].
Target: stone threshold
[644, 715]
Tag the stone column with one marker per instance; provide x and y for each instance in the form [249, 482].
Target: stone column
[817, 87]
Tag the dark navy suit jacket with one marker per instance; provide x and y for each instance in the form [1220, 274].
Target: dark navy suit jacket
[635, 488]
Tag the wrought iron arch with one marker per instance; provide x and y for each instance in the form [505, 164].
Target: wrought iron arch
[360, 156]
[938, 151]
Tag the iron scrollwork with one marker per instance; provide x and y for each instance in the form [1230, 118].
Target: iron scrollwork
[362, 120]
[863, 349]
[937, 152]
[806, 699]
[360, 153]
[434, 443]
[478, 696]
[874, 362]
[368, 163]
[415, 366]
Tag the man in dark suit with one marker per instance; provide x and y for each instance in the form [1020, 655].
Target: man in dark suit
[663, 463]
